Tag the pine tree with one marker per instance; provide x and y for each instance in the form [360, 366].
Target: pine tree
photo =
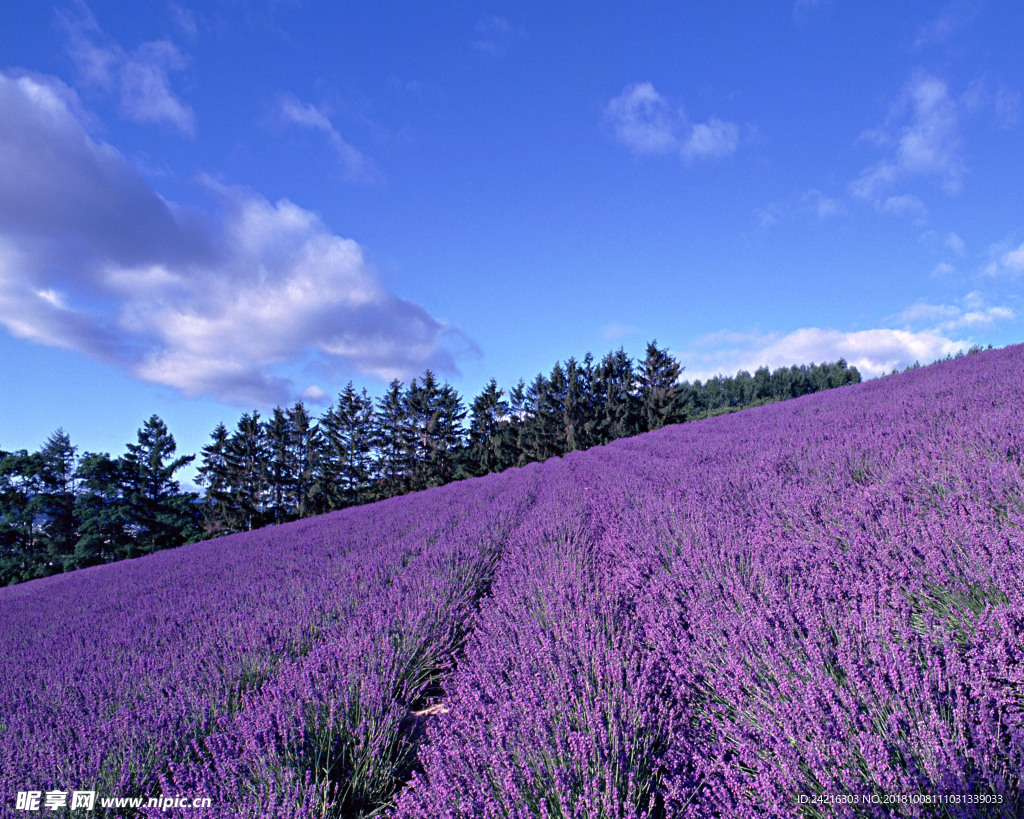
[489, 447]
[20, 550]
[392, 442]
[53, 505]
[162, 514]
[616, 406]
[246, 457]
[304, 445]
[348, 432]
[657, 383]
[215, 474]
[104, 512]
[280, 479]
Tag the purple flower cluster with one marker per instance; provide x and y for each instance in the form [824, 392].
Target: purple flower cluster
[813, 608]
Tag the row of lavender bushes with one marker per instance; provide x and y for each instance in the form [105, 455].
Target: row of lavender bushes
[738, 617]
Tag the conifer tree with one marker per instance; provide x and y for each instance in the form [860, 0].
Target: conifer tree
[104, 512]
[392, 442]
[616, 407]
[489, 448]
[162, 514]
[348, 440]
[20, 550]
[657, 382]
[246, 457]
[53, 503]
[304, 444]
[215, 475]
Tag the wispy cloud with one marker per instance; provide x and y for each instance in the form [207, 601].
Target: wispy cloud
[972, 312]
[218, 302]
[812, 202]
[643, 122]
[921, 138]
[951, 21]
[1007, 260]
[306, 115]
[141, 77]
[496, 35]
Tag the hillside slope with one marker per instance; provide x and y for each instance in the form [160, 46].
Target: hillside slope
[814, 607]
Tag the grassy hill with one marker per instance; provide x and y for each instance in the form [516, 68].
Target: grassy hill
[808, 608]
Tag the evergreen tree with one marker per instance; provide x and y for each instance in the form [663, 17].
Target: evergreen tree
[615, 405]
[20, 550]
[578, 412]
[539, 431]
[304, 444]
[246, 457]
[435, 414]
[215, 474]
[162, 515]
[657, 382]
[348, 432]
[105, 530]
[279, 473]
[490, 446]
[392, 442]
[53, 503]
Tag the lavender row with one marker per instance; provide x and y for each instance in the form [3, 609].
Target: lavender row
[753, 613]
[335, 732]
[120, 667]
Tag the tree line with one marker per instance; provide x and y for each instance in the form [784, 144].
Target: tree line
[58, 513]
[61, 511]
[289, 465]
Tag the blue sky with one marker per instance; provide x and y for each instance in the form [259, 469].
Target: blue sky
[210, 208]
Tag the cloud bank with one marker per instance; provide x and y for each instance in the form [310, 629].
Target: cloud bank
[922, 332]
[212, 303]
[643, 122]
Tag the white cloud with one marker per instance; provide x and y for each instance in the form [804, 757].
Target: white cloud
[1013, 260]
[218, 303]
[141, 77]
[145, 87]
[904, 205]
[873, 352]
[642, 120]
[1006, 260]
[307, 115]
[922, 140]
[710, 140]
[972, 312]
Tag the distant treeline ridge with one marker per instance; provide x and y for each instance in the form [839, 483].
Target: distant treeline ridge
[59, 511]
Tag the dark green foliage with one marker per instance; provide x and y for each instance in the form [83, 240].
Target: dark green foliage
[161, 514]
[20, 551]
[56, 515]
[657, 381]
[492, 436]
[434, 414]
[214, 474]
[346, 460]
[59, 512]
[392, 442]
[103, 508]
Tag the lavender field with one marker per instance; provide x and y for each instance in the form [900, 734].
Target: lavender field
[779, 612]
